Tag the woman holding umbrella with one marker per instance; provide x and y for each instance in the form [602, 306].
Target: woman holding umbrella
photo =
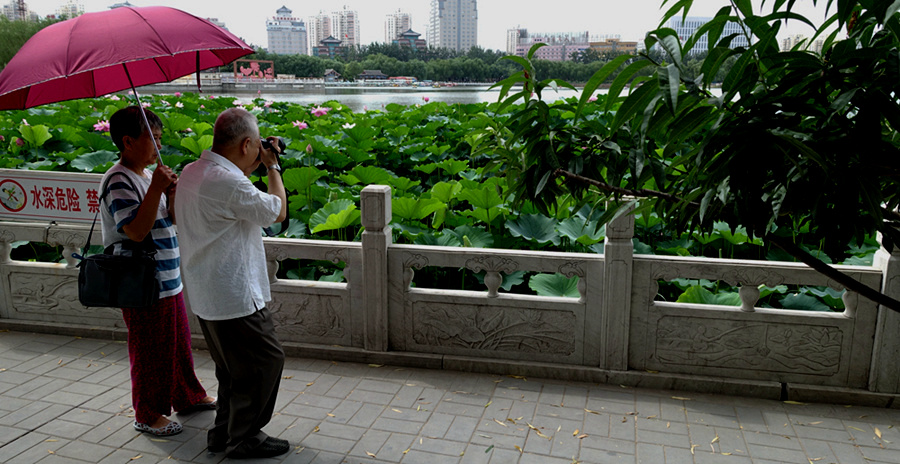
[137, 214]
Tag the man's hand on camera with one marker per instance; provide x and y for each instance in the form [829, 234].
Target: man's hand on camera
[269, 157]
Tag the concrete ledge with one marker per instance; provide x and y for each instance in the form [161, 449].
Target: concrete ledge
[836, 395]
[659, 381]
[71, 330]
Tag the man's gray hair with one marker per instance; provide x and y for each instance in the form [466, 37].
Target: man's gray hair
[234, 125]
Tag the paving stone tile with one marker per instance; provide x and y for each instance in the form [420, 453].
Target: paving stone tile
[34, 415]
[540, 459]
[656, 425]
[462, 429]
[394, 425]
[713, 419]
[370, 442]
[847, 453]
[516, 394]
[880, 455]
[322, 384]
[366, 415]
[344, 411]
[841, 435]
[408, 397]
[84, 416]
[106, 428]
[341, 431]
[650, 454]
[766, 452]
[537, 444]
[499, 440]
[525, 410]
[383, 399]
[85, 451]
[439, 446]
[406, 414]
[10, 434]
[706, 457]
[678, 455]
[9, 404]
[503, 456]
[663, 438]
[299, 429]
[395, 445]
[379, 386]
[437, 425]
[327, 443]
[343, 387]
[425, 457]
[303, 410]
[596, 424]
[608, 444]
[772, 440]
[818, 451]
[318, 401]
[751, 419]
[622, 427]
[66, 398]
[38, 451]
[777, 421]
[462, 409]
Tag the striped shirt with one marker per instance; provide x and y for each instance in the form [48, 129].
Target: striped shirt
[120, 207]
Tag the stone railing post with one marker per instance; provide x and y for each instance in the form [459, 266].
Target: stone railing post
[375, 204]
[618, 252]
[885, 374]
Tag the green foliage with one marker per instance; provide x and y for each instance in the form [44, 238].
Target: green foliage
[14, 34]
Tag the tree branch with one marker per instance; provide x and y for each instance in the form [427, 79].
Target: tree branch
[624, 191]
[849, 282]
[788, 246]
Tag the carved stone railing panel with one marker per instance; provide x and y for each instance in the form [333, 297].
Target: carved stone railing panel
[493, 266]
[742, 345]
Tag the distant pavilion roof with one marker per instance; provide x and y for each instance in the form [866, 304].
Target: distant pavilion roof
[330, 40]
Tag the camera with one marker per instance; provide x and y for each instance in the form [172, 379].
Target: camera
[268, 145]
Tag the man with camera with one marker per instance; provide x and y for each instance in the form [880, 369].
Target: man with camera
[226, 281]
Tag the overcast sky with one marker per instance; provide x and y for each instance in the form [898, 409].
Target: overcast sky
[628, 18]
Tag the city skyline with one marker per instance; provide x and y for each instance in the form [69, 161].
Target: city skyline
[629, 20]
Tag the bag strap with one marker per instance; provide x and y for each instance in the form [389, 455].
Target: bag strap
[105, 187]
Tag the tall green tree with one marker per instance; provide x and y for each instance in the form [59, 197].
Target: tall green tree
[14, 34]
[794, 141]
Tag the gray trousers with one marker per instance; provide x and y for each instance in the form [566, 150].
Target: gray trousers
[249, 362]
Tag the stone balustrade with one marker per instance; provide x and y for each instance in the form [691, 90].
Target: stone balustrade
[616, 330]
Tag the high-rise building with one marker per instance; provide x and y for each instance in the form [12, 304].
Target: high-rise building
[287, 34]
[395, 24]
[512, 39]
[217, 22]
[17, 10]
[684, 28]
[318, 29]
[345, 27]
[71, 9]
[453, 24]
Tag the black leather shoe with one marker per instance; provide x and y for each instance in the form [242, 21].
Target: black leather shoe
[270, 448]
[215, 447]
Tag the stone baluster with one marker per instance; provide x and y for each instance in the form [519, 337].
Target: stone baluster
[885, 373]
[376, 215]
[619, 256]
[6, 239]
[749, 297]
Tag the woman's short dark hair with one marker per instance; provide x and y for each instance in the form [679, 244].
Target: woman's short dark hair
[128, 121]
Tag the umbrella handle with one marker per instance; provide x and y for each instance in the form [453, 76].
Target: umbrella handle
[144, 115]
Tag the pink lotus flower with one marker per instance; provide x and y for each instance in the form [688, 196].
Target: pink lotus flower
[268, 103]
[179, 105]
[202, 107]
[20, 142]
[236, 103]
[25, 122]
[425, 98]
[320, 111]
[309, 148]
[177, 94]
[2, 138]
[146, 104]
[101, 126]
[300, 125]
[365, 108]
[593, 98]
[114, 98]
[189, 130]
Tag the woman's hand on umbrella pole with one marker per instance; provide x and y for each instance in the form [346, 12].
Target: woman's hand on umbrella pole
[163, 179]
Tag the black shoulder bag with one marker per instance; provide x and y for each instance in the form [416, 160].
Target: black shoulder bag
[114, 281]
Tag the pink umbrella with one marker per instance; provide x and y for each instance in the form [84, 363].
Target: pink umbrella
[99, 53]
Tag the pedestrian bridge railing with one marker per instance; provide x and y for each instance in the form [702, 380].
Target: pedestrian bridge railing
[616, 330]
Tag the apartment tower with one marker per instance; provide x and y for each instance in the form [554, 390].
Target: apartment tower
[345, 27]
[319, 29]
[453, 24]
[395, 24]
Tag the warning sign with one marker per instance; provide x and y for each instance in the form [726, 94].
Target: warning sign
[38, 196]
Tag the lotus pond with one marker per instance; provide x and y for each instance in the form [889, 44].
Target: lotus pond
[442, 194]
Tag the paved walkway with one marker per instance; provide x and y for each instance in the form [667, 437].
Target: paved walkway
[67, 400]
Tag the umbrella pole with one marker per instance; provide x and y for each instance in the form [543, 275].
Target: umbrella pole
[144, 115]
